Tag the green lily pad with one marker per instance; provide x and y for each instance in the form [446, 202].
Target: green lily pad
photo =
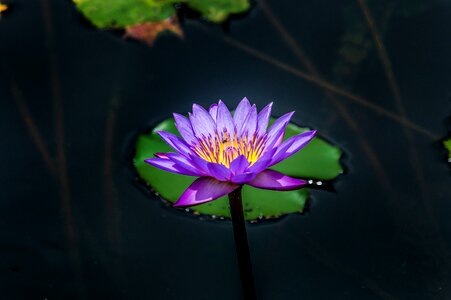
[123, 13]
[145, 20]
[318, 160]
[218, 10]
[447, 144]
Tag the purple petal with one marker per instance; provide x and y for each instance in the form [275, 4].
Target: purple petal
[241, 112]
[184, 127]
[167, 165]
[263, 162]
[224, 120]
[185, 164]
[250, 123]
[276, 131]
[243, 178]
[263, 119]
[175, 142]
[203, 124]
[161, 155]
[239, 164]
[292, 145]
[213, 111]
[199, 163]
[280, 151]
[272, 180]
[205, 189]
[218, 171]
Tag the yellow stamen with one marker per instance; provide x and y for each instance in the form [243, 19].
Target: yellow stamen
[223, 148]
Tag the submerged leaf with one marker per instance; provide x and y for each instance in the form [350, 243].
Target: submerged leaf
[149, 31]
[319, 160]
[447, 144]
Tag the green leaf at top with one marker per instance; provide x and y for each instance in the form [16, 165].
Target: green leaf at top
[218, 10]
[447, 144]
[123, 13]
[319, 160]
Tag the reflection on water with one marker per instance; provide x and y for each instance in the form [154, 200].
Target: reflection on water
[371, 76]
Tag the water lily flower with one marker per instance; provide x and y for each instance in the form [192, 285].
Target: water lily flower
[227, 151]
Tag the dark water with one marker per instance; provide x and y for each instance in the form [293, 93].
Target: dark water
[91, 233]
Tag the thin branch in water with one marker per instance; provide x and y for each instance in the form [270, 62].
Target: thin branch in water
[414, 157]
[302, 56]
[383, 56]
[59, 135]
[33, 129]
[288, 38]
[340, 107]
[321, 83]
[60, 148]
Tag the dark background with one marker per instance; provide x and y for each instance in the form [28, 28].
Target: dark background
[79, 226]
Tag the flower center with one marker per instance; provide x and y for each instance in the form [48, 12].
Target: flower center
[223, 148]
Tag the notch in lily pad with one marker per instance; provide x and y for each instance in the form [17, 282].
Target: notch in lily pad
[318, 160]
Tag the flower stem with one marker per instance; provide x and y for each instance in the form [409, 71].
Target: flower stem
[241, 245]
